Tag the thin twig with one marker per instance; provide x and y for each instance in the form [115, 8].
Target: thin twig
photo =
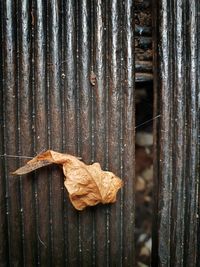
[15, 156]
[147, 121]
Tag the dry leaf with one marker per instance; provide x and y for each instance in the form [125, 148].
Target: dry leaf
[87, 185]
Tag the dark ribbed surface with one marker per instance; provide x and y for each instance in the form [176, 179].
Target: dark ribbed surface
[49, 51]
[176, 225]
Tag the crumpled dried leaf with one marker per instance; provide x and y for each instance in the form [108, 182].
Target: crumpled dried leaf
[87, 185]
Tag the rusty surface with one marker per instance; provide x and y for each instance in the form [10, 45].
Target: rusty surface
[49, 50]
[177, 167]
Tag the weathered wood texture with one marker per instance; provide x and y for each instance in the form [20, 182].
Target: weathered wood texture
[143, 40]
[49, 50]
[176, 242]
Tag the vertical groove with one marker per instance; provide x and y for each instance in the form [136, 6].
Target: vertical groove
[121, 136]
[71, 132]
[92, 120]
[25, 130]
[41, 132]
[84, 38]
[114, 124]
[156, 126]
[193, 115]
[107, 4]
[165, 182]
[78, 119]
[55, 113]
[10, 135]
[198, 107]
[178, 151]
[32, 84]
[128, 136]
[63, 77]
[4, 249]
[18, 144]
[48, 66]
[99, 90]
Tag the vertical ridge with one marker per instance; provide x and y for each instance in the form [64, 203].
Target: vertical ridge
[164, 205]
[11, 136]
[71, 131]
[178, 150]
[193, 148]
[92, 121]
[78, 118]
[55, 123]
[99, 91]
[84, 41]
[25, 130]
[4, 249]
[114, 124]
[128, 149]
[41, 132]
[107, 4]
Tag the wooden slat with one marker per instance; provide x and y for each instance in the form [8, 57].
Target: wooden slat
[143, 77]
[143, 66]
[178, 158]
[49, 101]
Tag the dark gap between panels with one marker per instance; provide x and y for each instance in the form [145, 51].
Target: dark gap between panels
[144, 132]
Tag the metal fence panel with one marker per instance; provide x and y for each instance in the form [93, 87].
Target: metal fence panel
[49, 51]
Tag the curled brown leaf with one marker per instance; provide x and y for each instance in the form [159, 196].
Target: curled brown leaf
[87, 185]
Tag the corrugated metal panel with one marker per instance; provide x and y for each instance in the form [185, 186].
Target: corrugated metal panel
[175, 228]
[50, 49]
